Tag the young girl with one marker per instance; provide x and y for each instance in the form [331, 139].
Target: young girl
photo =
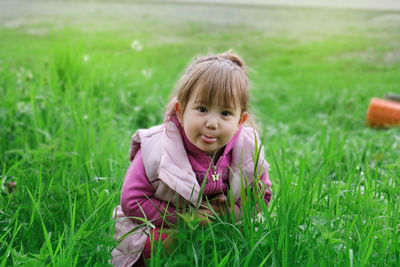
[202, 133]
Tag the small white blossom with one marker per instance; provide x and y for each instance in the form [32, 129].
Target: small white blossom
[362, 189]
[100, 178]
[23, 107]
[147, 73]
[3, 188]
[29, 75]
[86, 58]
[136, 45]
[24, 74]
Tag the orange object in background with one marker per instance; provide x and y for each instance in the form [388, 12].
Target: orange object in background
[383, 113]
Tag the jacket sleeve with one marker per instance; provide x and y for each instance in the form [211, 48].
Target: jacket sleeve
[137, 196]
[265, 179]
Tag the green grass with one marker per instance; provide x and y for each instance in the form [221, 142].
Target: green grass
[65, 127]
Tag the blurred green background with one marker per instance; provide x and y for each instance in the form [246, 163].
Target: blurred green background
[77, 78]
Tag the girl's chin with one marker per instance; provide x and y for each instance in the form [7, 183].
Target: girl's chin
[209, 151]
[206, 148]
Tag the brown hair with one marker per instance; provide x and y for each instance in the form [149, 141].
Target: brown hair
[220, 78]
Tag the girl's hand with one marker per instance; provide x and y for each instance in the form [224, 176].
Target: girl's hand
[217, 204]
[204, 216]
[208, 210]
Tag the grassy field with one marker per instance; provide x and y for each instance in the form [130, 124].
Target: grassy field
[73, 90]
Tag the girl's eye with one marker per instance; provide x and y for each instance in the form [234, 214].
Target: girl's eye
[202, 109]
[225, 113]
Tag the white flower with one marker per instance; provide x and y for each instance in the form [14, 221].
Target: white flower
[147, 73]
[24, 74]
[23, 107]
[29, 75]
[135, 45]
[86, 58]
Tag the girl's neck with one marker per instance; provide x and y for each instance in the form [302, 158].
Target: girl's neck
[218, 154]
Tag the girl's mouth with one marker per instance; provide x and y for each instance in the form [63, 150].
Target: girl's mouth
[208, 139]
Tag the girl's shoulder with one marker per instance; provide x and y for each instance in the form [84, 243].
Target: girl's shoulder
[153, 137]
[145, 133]
[155, 130]
[249, 136]
[247, 145]
[143, 136]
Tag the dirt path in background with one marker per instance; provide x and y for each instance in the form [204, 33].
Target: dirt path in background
[389, 5]
[296, 17]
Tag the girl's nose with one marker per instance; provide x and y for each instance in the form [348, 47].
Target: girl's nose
[212, 123]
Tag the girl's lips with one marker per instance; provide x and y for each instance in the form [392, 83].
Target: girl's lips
[208, 139]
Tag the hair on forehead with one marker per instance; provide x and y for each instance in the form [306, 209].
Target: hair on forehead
[218, 85]
[220, 80]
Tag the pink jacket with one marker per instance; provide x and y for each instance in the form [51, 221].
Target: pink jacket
[162, 171]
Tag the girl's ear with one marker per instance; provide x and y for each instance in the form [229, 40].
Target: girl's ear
[243, 118]
[178, 112]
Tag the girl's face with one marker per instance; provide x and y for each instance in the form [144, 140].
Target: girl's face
[209, 127]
